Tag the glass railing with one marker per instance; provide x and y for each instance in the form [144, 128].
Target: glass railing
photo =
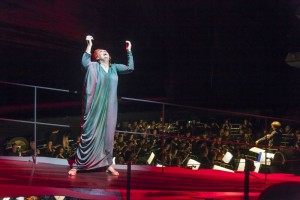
[30, 113]
[149, 132]
[164, 134]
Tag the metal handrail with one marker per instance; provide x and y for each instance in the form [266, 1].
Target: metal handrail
[35, 87]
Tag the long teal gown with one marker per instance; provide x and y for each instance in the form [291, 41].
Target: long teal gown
[100, 107]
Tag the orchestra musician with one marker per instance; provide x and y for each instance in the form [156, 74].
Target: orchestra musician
[274, 138]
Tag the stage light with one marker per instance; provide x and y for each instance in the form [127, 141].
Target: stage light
[217, 167]
[256, 150]
[257, 166]
[150, 159]
[293, 59]
[265, 159]
[242, 164]
[298, 13]
[193, 164]
[59, 197]
[227, 157]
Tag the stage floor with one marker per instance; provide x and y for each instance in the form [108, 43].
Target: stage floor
[24, 178]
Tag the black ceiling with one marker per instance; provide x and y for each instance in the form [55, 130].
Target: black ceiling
[202, 52]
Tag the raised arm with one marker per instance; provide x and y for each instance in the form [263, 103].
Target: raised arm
[86, 58]
[272, 135]
[123, 69]
[261, 139]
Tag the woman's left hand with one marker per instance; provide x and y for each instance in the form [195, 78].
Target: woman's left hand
[128, 45]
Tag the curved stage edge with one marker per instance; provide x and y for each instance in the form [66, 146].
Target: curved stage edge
[19, 176]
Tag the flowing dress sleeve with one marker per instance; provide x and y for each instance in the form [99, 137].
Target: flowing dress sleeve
[125, 69]
[86, 60]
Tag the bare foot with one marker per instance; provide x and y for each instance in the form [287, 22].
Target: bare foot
[112, 171]
[72, 172]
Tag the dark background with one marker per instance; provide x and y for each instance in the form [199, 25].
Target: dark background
[227, 54]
